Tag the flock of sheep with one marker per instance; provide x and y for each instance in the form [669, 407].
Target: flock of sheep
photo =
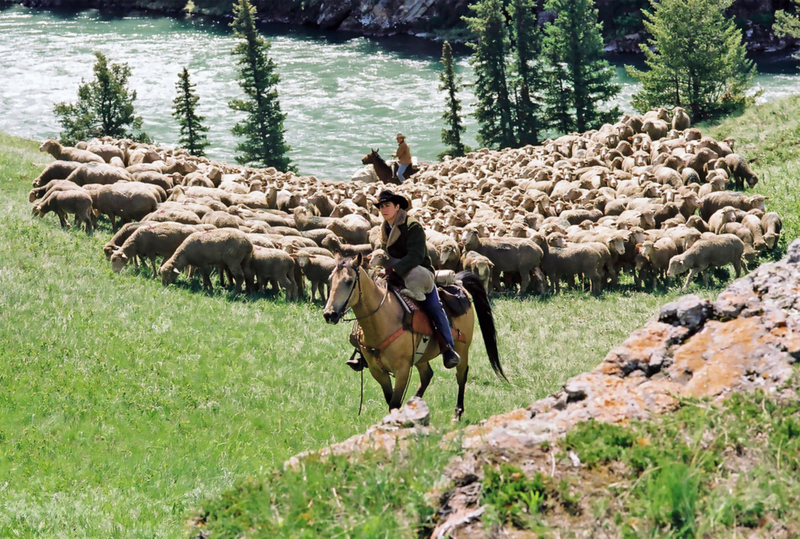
[647, 196]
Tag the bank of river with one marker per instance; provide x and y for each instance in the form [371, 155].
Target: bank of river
[342, 94]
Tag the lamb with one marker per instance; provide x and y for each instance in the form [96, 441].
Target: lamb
[318, 270]
[226, 248]
[128, 201]
[479, 265]
[772, 224]
[353, 229]
[711, 251]
[57, 170]
[680, 120]
[718, 200]
[68, 153]
[149, 241]
[99, 173]
[276, 266]
[658, 254]
[74, 201]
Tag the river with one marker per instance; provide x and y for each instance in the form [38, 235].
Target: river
[343, 94]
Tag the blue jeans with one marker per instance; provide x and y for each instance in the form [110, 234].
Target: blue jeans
[401, 169]
[435, 311]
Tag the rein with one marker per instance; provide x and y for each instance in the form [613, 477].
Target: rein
[358, 284]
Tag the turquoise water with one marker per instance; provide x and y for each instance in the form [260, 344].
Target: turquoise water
[342, 94]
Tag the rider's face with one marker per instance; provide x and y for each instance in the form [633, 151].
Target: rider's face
[389, 211]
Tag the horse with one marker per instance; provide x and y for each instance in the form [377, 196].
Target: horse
[386, 173]
[388, 347]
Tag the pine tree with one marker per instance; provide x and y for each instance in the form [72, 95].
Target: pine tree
[787, 25]
[527, 82]
[578, 76]
[193, 131]
[696, 59]
[451, 84]
[493, 110]
[104, 106]
[262, 129]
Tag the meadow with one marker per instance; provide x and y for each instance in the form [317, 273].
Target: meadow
[126, 407]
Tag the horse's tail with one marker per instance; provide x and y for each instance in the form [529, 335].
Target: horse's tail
[483, 309]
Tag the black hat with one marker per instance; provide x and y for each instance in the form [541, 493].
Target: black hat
[388, 196]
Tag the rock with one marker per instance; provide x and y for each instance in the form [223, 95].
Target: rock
[414, 414]
[689, 311]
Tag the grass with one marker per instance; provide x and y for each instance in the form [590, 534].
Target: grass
[126, 406]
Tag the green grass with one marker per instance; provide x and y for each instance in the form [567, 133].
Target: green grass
[126, 406]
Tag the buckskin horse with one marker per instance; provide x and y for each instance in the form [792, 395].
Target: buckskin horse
[386, 173]
[389, 347]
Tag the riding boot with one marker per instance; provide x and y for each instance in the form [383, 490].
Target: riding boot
[435, 311]
[357, 361]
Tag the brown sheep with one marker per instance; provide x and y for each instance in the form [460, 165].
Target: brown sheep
[225, 248]
[563, 261]
[658, 254]
[75, 201]
[353, 229]
[318, 270]
[274, 266]
[509, 255]
[680, 120]
[128, 201]
[68, 153]
[714, 251]
[150, 241]
[99, 173]
[479, 265]
[740, 171]
[55, 185]
[713, 202]
[771, 224]
[57, 170]
[720, 218]
[170, 214]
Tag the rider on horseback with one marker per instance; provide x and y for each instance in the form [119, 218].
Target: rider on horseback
[403, 239]
[403, 155]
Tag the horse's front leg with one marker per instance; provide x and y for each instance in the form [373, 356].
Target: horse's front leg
[400, 382]
[383, 378]
[425, 377]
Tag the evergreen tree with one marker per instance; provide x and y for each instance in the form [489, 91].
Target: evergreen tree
[104, 106]
[696, 59]
[493, 110]
[578, 76]
[787, 25]
[451, 84]
[193, 131]
[262, 128]
[527, 82]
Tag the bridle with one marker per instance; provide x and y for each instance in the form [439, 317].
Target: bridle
[349, 307]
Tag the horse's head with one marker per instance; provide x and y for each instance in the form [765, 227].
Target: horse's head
[371, 158]
[343, 284]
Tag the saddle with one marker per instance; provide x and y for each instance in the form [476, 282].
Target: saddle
[456, 303]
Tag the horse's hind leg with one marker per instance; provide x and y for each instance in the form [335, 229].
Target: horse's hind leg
[425, 377]
[461, 376]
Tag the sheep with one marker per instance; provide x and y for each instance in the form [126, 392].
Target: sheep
[305, 220]
[276, 266]
[67, 153]
[221, 219]
[655, 128]
[166, 214]
[740, 171]
[353, 229]
[563, 260]
[125, 232]
[154, 178]
[128, 201]
[57, 170]
[74, 201]
[753, 224]
[771, 224]
[479, 265]
[333, 244]
[55, 185]
[509, 255]
[713, 202]
[318, 270]
[318, 235]
[226, 248]
[658, 254]
[99, 173]
[108, 152]
[711, 251]
[149, 241]
[720, 218]
[680, 120]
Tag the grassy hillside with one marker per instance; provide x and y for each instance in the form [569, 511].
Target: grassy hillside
[125, 405]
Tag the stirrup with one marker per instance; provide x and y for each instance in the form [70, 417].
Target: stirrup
[450, 358]
[357, 362]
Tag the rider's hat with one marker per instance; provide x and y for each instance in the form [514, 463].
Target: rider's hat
[400, 135]
[389, 196]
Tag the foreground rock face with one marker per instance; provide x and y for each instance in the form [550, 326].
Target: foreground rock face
[748, 338]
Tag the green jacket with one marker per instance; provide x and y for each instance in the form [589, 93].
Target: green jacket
[406, 243]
